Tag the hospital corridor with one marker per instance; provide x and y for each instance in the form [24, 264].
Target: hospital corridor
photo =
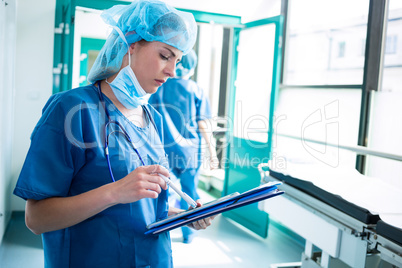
[201, 133]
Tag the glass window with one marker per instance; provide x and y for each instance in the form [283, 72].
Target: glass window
[260, 9]
[329, 116]
[254, 78]
[325, 45]
[316, 50]
[341, 49]
[385, 127]
[362, 46]
[391, 44]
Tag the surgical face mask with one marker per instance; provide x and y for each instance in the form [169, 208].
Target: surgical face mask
[126, 87]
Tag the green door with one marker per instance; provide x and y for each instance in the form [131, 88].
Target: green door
[254, 87]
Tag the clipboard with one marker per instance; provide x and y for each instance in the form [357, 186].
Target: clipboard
[218, 206]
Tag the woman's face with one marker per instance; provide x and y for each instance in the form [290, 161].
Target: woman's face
[153, 63]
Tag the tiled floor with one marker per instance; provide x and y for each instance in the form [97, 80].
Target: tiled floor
[224, 244]
[20, 247]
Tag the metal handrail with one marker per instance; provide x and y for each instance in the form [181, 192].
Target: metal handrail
[357, 149]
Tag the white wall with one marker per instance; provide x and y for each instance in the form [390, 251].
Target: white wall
[7, 63]
[33, 76]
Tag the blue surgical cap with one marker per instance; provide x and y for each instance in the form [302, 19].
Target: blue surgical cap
[150, 20]
[187, 65]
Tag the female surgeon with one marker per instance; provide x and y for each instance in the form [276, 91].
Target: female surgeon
[90, 177]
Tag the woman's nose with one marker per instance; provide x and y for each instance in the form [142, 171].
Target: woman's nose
[171, 69]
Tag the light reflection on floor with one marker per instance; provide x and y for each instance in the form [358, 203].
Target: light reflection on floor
[202, 252]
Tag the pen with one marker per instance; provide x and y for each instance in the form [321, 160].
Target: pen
[183, 195]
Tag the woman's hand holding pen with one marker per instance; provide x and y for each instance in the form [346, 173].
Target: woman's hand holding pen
[143, 182]
[146, 182]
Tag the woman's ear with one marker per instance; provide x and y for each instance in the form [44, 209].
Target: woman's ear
[131, 48]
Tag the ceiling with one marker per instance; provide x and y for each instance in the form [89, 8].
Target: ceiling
[248, 10]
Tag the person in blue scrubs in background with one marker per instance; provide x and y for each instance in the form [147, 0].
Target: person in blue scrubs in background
[185, 111]
[92, 203]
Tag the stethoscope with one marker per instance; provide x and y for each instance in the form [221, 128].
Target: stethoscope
[187, 198]
[120, 130]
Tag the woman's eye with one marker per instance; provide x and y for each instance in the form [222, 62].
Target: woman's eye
[164, 57]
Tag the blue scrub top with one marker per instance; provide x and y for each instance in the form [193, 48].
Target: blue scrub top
[182, 103]
[66, 158]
